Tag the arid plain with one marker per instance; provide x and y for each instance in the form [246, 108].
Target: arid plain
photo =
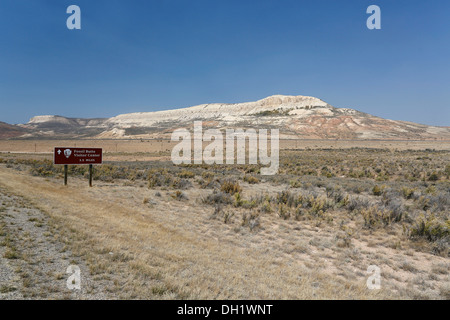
[150, 229]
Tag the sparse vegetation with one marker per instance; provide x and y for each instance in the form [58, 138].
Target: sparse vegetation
[250, 179]
[7, 289]
[431, 227]
[11, 253]
[230, 187]
[275, 112]
[333, 211]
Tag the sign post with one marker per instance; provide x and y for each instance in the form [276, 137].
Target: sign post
[77, 156]
[90, 175]
[66, 167]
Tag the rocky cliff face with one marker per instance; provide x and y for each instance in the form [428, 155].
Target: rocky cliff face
[296, 116]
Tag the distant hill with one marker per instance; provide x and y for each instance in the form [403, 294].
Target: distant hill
[11, 131]
[62, 127]
[296, 116]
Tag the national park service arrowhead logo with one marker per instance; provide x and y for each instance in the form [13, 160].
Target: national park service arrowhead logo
[67, 153]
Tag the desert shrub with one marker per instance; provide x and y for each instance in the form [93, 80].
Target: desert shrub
[396, 210]
[343, 239]
[249, 204]
[436, 203]
[392, 201]
[284, 211]
[376, 216]
[416, 195]
[318, 206]
[186, 174]
[325, 171]
[299, 212]
[246, 204]
[408, 193]
[237, 199]
[337, 195]
[207, 175]
[373, 216]
[344, 201]
[357, 189]
[209, 183]
[430, 190]
[218, 210]
[260, 198]
[383, 176]
[158, 178]
[250, 179]
[108, 172]
[434, 176]
[378, 190]
[227, 216]
[431, 228]
[218, 197]
[441, 246]
[12, 254]
[295, 183]
[285, 197]
[265, 207]
[163, 178]
[423, 203]
[251, 220]
[181, 184]
[357, 203]
[230, 187]
[179, 195]
[447, 171]
[440, 202]
[44, 168]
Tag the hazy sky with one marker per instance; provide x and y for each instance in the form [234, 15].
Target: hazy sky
[152, 55]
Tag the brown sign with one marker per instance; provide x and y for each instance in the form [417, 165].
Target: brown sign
[78, 156]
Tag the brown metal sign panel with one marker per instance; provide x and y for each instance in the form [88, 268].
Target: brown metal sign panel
[77, 156]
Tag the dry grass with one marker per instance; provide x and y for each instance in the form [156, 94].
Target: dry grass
[159, 250]
[215, 232]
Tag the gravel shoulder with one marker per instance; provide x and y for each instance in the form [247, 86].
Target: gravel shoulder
[33, 258]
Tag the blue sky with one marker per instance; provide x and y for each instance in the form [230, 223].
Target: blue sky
[149, 55]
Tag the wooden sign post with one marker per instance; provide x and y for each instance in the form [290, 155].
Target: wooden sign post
[78, 156]
[66, 168]
[90, 175]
